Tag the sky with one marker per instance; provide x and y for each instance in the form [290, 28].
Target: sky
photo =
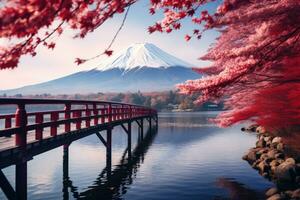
[52, 64]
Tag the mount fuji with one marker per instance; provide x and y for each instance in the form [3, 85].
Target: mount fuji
[140, 67]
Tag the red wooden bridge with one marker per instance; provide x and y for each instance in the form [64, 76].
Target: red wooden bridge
[32, 129]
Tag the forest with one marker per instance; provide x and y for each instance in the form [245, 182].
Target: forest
[162, 101]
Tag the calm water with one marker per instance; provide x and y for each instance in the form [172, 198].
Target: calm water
[188, 158]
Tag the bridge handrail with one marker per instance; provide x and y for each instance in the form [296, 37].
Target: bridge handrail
[94, 112]
[15, 101]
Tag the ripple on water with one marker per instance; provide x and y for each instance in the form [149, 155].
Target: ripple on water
[189, 158]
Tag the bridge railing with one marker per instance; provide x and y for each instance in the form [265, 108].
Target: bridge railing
[75, 115]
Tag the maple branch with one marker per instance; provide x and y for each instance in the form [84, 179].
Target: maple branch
[107, 51]
[120, 28]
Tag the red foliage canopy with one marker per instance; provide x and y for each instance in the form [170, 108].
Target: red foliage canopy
[255, 61]
[32, 22]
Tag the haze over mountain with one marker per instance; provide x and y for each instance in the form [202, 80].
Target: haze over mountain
[140, 67]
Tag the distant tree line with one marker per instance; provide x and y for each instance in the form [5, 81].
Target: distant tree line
[162, 101]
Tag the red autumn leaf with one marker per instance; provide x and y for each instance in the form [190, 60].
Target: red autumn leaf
[79, 61]
[187, 37]
[51, 45]
[152, 11]
[196, 31]
[108, 52]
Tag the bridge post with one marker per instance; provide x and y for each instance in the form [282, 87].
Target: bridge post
[66, 162]
[67, 116]
[39, 118]
[150, 123]
[114, 113]
[109, 113]
[142, 128]
[102, 117]
[87, 114]
[129, 140]
[53, 128]
[77, 114]
[21, 180]
[7, 122]
[21, 122]
[21, 141]
[108, 148]
[95, 112]
[66, 171]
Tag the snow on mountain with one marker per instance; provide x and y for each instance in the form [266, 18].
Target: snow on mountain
[141, 67]
[140, 55]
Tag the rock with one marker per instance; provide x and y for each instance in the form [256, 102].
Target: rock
[279, 155]
[291, 161]
[274, 163]
[267, 139]
[272, 191]
[255, 164]
[263, 166]
[261, 143]
[280, 147]
[264, 156]
[298, 169]
[260, 130]
[251, 156]
[251, 128]
[273, 145]
[280, 160]
[263, 150]
[286, 171]
[261, 137]
[272, 153]
[296, 194]
[289, 193]
[277, 140]
[265, 175]
[275, 197]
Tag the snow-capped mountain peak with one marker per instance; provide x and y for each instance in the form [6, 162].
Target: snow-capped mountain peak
[141, 55]
[141, 67]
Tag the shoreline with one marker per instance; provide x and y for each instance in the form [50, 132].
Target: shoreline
[271, 158]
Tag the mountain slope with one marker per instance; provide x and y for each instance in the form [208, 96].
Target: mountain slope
[141, 67]
[140, 55]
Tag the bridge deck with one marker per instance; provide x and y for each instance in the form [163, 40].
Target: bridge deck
[11, 155]
[26, 134]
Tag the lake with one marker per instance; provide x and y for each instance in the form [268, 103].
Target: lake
[187, 158]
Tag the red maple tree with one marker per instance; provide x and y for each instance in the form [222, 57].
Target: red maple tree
[254, 61]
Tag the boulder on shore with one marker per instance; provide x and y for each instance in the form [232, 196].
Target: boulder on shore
[286, 171]
[272, 191]
[269, 157]
[296, 194]
[275, 197]
[261, 130]
[277, 140]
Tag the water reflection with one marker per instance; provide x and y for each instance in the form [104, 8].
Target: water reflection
[238, 191]
[182, 161]
[112, 184]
